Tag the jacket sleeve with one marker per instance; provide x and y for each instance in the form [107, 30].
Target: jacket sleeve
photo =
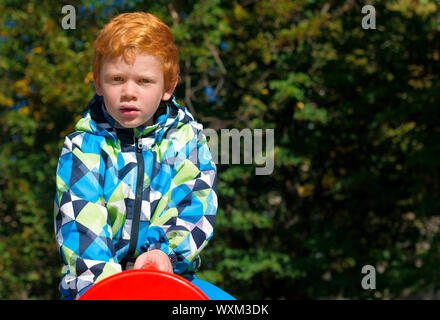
[183, 221]
[82, 227]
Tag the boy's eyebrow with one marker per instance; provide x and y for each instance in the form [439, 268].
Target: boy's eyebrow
[144, 74]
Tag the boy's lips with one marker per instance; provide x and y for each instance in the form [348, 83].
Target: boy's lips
[129, 110]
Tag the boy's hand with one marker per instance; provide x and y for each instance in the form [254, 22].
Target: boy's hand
[156, 258]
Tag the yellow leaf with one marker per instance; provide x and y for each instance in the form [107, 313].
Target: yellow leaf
[21, 87]
[24, 111]
[88, 78]
[37, 50]
[6, 101]
[21, 84]
[239, 12]
[306, 190]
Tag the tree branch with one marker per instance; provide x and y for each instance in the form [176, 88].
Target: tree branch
[217, 58]
[174, 14]
[188, 92]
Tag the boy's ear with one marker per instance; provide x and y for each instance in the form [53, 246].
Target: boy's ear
[97, 86]
[167, 94]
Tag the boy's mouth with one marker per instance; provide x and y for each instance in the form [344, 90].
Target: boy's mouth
[129, 110]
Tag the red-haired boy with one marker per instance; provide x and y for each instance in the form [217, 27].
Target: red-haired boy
[136, 183]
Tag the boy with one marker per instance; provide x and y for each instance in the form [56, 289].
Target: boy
[136, 184]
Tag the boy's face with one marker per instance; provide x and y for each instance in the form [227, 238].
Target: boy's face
[132, 93]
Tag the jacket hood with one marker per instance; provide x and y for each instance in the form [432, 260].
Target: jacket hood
[97, 121]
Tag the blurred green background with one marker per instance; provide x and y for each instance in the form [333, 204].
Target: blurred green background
[356, 119]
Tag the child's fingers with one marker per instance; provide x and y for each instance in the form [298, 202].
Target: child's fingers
[154, 260]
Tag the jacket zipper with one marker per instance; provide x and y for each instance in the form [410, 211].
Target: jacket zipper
[137, 205]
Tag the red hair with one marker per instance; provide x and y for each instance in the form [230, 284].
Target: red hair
[134, 33]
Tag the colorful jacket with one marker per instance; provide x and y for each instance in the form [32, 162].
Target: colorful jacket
[121, 192]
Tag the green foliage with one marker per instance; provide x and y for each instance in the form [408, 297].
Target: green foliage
[355, 114]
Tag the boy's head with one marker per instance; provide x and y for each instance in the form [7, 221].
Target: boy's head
[135, 66]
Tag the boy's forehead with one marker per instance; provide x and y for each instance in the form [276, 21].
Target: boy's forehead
[117, 61]
[143, 62]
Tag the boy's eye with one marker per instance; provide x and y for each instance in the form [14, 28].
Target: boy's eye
[145, 81]
[117, 78]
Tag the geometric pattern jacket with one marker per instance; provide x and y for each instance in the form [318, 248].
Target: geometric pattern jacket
[121, 192]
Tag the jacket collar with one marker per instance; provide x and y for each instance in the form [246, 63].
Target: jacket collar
[96, 119]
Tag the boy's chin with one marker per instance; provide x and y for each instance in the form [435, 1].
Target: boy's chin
[129, 126]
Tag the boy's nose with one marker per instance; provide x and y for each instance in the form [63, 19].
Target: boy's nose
[129, 90]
